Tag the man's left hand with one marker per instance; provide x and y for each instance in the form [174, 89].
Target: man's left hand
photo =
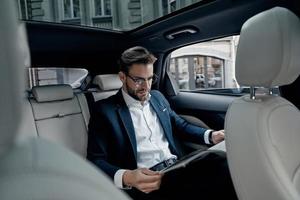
[218, 136]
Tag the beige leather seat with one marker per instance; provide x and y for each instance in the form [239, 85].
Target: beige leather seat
[108, 85]
[60, 116]
[263, 131]
[35, 168]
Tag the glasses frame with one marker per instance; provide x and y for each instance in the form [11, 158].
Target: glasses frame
[140, 81]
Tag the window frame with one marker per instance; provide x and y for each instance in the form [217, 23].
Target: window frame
[227, 91]
[71, 10]
[103, 14]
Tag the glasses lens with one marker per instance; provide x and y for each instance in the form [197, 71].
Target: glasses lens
[139, 81]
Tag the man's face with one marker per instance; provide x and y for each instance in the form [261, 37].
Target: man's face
[137, 83]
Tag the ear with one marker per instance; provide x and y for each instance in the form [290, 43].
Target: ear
[122, 77]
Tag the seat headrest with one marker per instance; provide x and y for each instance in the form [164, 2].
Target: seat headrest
[269, 48]
[48, 93]
[108, 82]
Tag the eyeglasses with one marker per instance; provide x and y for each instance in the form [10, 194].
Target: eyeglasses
[140, 81]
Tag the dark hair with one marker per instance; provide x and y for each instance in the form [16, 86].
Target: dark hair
[135, 55]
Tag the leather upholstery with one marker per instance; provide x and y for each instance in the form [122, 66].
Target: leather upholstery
[107, 81]
[61, 121]
[84, 108]
[103, 94]
[268, 49]
[37, 169]
[52, 93]
[262, 134]
[262, 142]
[109, 84]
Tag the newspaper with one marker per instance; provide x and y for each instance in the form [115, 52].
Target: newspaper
[220, 146]
[184, 161]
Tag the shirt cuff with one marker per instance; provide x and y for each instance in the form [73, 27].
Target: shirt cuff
[118, 179]
[206, 136]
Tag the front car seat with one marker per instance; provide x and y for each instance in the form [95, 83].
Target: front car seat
[36, 169]
[263, 131]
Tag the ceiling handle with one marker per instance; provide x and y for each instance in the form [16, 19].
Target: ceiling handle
[174, 34]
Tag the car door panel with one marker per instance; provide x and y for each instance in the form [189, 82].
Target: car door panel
[209, 108]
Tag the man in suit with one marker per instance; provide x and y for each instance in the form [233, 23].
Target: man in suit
[131, 138]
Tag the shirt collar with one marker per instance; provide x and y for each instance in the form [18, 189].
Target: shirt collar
[130, 101]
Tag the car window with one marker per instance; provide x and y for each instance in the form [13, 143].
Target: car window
[207, 65]
[50, 76]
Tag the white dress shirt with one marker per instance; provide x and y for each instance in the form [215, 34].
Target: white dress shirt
[152, 145]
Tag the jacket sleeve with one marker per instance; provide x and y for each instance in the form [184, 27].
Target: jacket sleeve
[97, 151]
[182, 128]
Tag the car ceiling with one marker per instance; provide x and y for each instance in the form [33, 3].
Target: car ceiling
[213, 19]
[56, 45]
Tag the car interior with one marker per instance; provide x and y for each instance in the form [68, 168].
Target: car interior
[44, 123]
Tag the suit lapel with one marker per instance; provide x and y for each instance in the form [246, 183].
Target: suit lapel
[127, 121]
[163, 115]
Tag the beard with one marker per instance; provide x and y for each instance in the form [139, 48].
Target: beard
[134, 93]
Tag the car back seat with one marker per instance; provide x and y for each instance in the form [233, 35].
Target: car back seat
[60, 116]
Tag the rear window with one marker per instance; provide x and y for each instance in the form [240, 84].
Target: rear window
[51, 76]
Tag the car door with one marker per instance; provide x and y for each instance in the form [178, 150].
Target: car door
[200, 83]
[203, 80]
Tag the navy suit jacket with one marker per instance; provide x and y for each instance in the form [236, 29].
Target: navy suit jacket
[112, 143]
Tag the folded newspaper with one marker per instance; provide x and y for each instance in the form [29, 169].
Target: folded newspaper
[184, 161]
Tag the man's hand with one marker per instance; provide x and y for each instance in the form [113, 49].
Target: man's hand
[218, 136]
[143, 179]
